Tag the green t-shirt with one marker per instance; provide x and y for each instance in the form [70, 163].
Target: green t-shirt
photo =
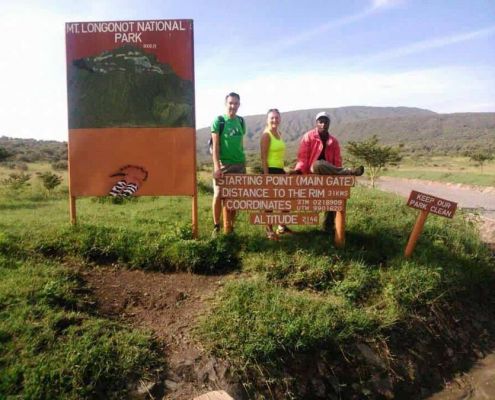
[231, 140]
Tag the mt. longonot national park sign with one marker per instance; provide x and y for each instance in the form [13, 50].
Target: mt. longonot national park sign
[130, 90]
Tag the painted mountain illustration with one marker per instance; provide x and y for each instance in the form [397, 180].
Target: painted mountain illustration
[127, 87]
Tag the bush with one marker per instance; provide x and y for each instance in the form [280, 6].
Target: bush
[50, 180]
[17, 181]
[61, 165]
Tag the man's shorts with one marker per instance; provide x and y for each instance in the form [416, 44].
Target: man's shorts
[228, 169]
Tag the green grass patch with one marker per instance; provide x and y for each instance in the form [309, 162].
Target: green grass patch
[305, 294]
[52, 347]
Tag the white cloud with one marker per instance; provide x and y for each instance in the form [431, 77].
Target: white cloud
[429, 44]
[443, 90]
[386, 3]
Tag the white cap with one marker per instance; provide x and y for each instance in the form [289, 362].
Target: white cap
[321, 115]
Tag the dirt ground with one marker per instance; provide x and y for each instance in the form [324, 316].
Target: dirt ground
[166, 304]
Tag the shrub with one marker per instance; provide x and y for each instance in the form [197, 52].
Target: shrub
[17, 181]
[50, 180]
[61, 165]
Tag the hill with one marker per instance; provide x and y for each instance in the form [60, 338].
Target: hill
[418, 129]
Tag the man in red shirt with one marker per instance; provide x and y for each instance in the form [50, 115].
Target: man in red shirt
[319, 152]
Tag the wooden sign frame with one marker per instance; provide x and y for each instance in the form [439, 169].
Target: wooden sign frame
[304, 194]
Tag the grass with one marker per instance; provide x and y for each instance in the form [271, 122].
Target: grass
[304, 294]
[52, 345]
[445, 169]
[291, 297]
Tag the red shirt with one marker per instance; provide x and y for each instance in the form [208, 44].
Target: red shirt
[310, 149]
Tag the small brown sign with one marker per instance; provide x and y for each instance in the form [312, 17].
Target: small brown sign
[432, 204]
[284, 219]
[286, 204]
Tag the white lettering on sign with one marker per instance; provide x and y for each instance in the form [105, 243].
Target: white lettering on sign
[296, 181]
[435, 205]
[284, 219]
[285, 205]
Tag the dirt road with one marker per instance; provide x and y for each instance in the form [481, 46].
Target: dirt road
[471, 198]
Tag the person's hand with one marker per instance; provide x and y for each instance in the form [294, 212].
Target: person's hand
[295, 172]
[217, 174]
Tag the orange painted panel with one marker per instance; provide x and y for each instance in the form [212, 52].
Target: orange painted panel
[166, 154]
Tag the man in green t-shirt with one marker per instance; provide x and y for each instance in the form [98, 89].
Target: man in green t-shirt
[227, 134]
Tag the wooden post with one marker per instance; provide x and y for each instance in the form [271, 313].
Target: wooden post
[72, 210]
[418, 228]
[227, 220]
[195, 215]
[340, 228]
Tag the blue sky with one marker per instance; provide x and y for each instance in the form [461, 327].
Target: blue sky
[434, 54]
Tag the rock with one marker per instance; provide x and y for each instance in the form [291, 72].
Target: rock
[171, 385]
[216, 395]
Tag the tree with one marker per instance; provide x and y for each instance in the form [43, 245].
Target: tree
[373, 156]
[50, 181]
[480, 157]
[4, 154]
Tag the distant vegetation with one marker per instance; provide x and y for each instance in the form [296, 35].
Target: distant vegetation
[417, 131]
[420, 131]
[31, 150]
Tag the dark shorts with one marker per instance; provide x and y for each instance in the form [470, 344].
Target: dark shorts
[228, 169]
[276, 171]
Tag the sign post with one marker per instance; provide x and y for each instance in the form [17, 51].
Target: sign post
[427, 204]
[287, 199]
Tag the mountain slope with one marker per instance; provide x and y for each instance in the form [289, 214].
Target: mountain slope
[417, 129]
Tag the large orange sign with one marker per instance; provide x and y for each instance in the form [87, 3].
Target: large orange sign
[130, 87]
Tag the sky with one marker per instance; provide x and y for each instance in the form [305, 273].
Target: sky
[435, 54]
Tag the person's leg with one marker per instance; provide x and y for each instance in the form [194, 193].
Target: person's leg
[216, 207]
[323, 167]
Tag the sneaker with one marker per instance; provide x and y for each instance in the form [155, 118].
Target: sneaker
[357, 171]
[215, 232]
[283, 229]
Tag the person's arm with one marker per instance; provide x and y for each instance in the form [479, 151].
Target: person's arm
[215, 138]
[264, 146]
[302, 166]
[337, 158]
